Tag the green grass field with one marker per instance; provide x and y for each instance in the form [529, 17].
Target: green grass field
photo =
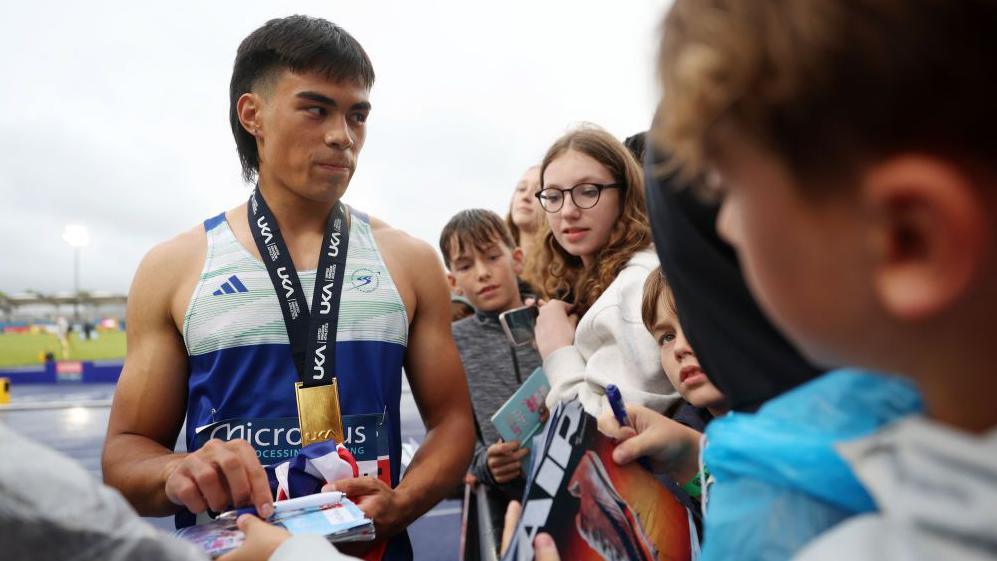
[27, 349]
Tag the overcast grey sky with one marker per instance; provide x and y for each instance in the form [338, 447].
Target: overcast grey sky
[114, 114]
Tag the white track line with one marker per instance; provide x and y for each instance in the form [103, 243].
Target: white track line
[42, 405]
[442, 512]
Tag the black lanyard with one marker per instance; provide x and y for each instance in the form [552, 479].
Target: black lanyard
[312, 335]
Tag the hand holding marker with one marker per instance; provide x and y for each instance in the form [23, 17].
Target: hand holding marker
[616, 403]
[620, 412]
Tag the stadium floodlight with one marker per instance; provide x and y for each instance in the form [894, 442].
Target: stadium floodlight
[77, 237]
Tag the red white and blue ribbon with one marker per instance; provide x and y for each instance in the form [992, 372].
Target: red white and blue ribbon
[314, 466]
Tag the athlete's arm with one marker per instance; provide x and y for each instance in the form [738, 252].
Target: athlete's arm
[150, 402]
[439, 387]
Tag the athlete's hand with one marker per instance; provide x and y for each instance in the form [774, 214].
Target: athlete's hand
[262, 540]
[555, 327]
[505, 460]
[220, 475]
[672, 447]
[377, 500]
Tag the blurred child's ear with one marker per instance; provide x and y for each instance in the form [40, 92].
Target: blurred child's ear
[517, 260]
[931, 234]
[452, 281]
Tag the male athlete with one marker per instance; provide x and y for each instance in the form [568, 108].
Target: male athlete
[219, 335]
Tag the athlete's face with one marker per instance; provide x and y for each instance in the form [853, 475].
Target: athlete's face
[310, 134]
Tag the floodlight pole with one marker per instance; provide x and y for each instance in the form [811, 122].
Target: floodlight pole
[76, 236]
[76, 284]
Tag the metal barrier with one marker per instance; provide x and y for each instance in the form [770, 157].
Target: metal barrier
[480, 537]
[488, 535]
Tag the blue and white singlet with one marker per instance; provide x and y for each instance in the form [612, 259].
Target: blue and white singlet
[242, 375]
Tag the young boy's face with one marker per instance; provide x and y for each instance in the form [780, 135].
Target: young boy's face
[891, 269]
[487, 277]
[807, 261]
[680, 363]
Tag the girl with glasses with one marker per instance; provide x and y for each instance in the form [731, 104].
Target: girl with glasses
[596, 246]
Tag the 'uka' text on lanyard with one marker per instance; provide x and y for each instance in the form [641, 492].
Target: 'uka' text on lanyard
[312, 333]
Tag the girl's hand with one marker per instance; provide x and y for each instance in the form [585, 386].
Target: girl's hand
[555, 327]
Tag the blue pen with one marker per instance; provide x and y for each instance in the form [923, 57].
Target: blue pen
[616, 403]
[620, 412]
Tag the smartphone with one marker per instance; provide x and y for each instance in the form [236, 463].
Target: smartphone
[518, 324]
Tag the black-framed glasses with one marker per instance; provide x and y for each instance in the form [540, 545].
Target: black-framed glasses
[584, 195]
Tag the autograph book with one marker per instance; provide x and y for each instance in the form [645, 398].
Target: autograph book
[341, 521]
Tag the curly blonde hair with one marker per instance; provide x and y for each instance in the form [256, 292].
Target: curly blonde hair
[828, 86]
[564, 276]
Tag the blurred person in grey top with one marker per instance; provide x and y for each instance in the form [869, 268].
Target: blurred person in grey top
[52, 509]
[495, 370]
[483, 263]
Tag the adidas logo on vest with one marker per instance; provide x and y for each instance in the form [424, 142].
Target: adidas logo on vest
[231, 286]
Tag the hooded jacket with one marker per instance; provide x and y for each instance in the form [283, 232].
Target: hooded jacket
[936, 492]
[746, 357]
[778, 480]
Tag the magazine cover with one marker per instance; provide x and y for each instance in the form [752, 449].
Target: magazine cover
[593, 508]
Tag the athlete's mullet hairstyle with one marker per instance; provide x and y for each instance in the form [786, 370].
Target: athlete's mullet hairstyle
[299, 44]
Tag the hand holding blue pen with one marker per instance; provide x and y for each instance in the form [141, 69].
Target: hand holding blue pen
[616, 403]
[620, 412]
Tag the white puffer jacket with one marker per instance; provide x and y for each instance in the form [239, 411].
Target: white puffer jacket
[612, 346]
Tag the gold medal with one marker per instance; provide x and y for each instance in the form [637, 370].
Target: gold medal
[318, 413]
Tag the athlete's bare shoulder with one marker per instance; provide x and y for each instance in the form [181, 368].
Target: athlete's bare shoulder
[169, 271]
[185, 245]
[411, 251]
[395, 239]
[412, 262]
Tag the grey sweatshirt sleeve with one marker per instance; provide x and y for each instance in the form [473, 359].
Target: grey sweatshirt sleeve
[492, 379]
[53, 509]
[479, 468]
[479, 465]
